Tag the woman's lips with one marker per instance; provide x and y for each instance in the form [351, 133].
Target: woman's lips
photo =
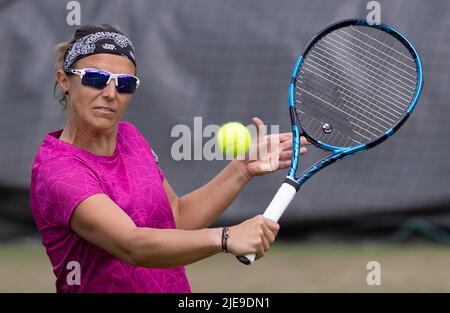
[105, 109]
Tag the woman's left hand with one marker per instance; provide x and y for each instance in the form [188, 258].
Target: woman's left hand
[269, 153]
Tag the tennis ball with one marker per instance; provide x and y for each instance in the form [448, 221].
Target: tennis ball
[233, 139]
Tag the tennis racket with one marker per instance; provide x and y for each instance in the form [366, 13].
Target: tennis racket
[354, 86]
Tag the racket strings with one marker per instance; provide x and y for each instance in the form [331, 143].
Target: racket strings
[343, 140]
[354, 65]
[371, 93]
[361, 63]
[350, 112]
[380, 58]
[408, 61]
[357, 80]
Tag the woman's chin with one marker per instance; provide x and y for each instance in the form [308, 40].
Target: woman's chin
[101, 122]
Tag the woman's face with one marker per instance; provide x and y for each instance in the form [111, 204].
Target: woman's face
[84, 102]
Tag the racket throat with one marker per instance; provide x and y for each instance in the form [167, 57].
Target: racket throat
[292, 182]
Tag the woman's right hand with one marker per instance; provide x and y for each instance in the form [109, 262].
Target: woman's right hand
[254, 235]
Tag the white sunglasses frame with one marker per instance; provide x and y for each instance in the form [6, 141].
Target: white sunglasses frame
[82, 71]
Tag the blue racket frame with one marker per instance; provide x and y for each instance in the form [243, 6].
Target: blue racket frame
[339, 153]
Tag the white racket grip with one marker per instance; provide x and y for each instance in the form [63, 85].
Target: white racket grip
[274, 211]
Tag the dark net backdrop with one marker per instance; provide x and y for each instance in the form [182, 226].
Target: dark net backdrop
[230, 60]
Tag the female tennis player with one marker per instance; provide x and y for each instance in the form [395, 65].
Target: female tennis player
[108, 217]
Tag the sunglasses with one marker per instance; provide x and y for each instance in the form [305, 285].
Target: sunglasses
[100, 79]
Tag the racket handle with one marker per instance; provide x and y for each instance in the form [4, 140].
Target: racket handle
[274, 211]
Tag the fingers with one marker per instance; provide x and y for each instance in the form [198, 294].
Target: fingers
[259, 126]
[288, 137]
[285, 141]
[269, 237]
[286, 144]
[285, 136]
[270, 231]
[252, 236]
[272, 225]
[304, 141]
[285, 155]
[265, 244]
[257, 121]
[288, 154]
[286, 158]
[284, 164]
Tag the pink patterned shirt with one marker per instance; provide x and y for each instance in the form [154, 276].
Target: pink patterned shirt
[63, 175]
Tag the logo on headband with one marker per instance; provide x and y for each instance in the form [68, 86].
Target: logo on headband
[108, 46]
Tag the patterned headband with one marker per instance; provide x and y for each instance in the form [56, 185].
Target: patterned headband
[100, 42]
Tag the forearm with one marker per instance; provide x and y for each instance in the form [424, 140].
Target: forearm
[203, 206]
[160, 248]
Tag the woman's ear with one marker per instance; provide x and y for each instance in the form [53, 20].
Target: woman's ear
[63, 80]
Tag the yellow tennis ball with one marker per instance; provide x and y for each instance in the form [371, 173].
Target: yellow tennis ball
[233, 139]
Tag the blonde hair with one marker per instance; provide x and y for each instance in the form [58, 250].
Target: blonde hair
[61, 50]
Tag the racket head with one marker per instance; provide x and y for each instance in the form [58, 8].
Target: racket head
[336, 81]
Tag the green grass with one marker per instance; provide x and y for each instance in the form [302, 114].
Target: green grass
[328, 268]
[24, 267]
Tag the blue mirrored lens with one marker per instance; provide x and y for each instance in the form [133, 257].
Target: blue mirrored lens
[126, 84]
[95, 79]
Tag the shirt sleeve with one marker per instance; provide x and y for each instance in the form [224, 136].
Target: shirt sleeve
[60, 185]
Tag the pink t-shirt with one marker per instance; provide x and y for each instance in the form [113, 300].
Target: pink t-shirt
[63, 175]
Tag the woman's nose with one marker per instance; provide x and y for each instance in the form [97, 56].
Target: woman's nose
[110, 90]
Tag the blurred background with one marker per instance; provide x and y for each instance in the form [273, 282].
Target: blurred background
[226, 60]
